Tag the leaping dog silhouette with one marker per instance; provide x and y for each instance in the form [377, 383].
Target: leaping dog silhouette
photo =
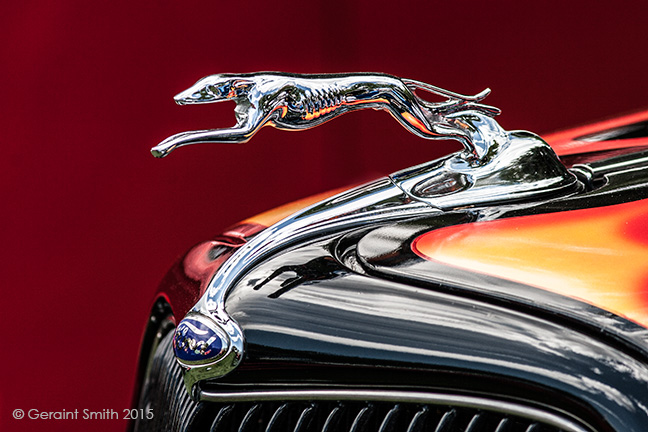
[297, 102]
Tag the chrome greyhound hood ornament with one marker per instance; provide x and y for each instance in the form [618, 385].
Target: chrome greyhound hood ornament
[298, 102]
[495, 167]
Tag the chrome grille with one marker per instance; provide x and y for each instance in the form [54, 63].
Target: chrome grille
[165, 395]
[318, 416]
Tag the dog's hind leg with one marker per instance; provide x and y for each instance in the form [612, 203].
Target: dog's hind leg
[421, 119]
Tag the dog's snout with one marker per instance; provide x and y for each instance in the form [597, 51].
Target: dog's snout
[191, 97]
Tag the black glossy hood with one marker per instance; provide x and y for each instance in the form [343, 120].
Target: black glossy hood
[311, 321]
[332, 298]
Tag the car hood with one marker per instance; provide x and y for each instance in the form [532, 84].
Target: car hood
[597, 255]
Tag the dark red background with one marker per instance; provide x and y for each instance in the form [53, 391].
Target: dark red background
[91, 220]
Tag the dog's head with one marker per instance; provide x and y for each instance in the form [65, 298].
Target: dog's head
[214, 88]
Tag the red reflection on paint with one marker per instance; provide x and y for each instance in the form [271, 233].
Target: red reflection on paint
[636, 229]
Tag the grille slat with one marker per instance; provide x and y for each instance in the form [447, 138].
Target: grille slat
[504, 425]
[224, 415]
[446, 422]
[305, 418]
[279, 420]
[390, 423]
[476, 423]
[361, 421]
[419, 420]
[332, 423]
[252, 418]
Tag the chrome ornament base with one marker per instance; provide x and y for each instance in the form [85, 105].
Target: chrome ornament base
[517, 166]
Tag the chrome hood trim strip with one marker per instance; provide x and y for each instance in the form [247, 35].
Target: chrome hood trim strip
[369, 204]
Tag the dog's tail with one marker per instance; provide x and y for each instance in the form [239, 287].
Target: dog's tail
[456, 102]
[418, 85]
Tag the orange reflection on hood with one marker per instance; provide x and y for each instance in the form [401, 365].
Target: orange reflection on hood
[597, 255]
[275, 215]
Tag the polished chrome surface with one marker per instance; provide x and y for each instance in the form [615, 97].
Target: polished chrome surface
[515, 166]
[530, 413]
[380, 200]
[297, 102]
[222, 335]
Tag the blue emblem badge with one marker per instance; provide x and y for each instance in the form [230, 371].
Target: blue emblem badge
[195, 341]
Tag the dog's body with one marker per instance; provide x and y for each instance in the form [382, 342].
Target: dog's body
[295, 102]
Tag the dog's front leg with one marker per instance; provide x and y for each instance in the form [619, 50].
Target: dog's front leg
[232, 136]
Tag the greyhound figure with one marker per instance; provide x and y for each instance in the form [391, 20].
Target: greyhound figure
[297, 102]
